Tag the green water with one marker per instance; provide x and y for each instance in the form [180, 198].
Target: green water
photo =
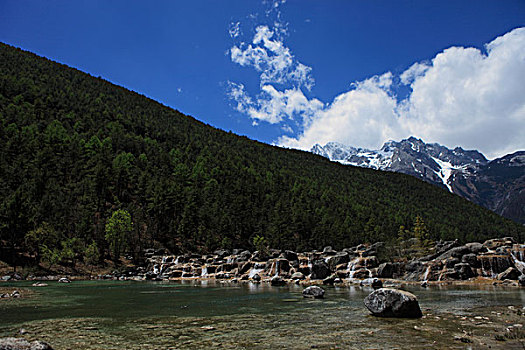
[147, 315]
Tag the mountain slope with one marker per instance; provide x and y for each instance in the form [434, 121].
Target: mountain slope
[498, 185]
[74, 148]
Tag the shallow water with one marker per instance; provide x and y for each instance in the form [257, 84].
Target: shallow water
[157, 315]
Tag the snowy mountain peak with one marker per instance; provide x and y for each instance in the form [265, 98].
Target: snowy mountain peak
[497, 185]
[432, 162]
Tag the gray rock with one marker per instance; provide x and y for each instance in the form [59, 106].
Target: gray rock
[476, 247]
[521, 280]
[320, 270]
[456, 252]
[290, 256]
[471, 259]
[509, 274]
[64, 280]
[313, 292]
[298, 276]
[390, 302]
[377, 283]
[330, 280]
[338, 259]
[277, 281]
[464, 271]
[256, 277]
[385, 270]
[22, 344]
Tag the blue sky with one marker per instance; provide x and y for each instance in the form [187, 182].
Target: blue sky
[296, 73]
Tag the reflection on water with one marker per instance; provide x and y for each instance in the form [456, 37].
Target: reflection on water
[155, 315]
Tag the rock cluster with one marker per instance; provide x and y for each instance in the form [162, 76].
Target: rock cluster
[498, 258]
[278, 267]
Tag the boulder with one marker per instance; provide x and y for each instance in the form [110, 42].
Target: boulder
[277, 281]
[521, 280]
[509, 274]
[64, 280]
[290, 255]
[464, 271]
[298, 276]
[256, 277]
[338, 259]
[456, 252]
[492, 244]
[320, 270]
[22, 344]
[330, 280]
[245, 267]
[390, 302]
[329, 251]
[361, 274]
[471, 259]
[313, 292]
[385, 270]
[476, 247]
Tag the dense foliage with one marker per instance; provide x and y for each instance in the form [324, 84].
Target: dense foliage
[74, 149]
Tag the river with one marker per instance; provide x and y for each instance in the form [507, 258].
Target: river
[205, 314]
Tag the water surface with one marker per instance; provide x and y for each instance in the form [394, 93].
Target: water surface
[144, 315]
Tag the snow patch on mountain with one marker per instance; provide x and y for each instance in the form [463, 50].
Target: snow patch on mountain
[445, 171]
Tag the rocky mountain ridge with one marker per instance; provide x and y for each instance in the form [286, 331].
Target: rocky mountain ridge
[498, 185]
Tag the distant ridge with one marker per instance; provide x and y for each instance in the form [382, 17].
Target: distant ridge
[498, 185]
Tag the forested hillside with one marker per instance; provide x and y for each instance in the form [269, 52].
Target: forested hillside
[74, 149]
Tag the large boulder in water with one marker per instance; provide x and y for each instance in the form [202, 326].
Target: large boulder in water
[390, 302]
[313, 292]
[22, 344]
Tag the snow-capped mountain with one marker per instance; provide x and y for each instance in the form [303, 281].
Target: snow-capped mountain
[498, 184]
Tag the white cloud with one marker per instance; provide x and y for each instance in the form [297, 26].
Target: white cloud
[462, 97]
[275, 62]
[235, 29]
[364, 116]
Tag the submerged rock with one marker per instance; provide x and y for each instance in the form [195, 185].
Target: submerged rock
[313, 292]
[64, 280]
[390, 302]
[277, 281]
[22, 344]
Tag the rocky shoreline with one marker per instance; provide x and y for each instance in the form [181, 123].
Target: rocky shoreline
[495, 261]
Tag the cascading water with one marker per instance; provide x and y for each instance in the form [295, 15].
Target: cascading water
[425, 276]
[351, 268]
[276, 268]
[204, 272]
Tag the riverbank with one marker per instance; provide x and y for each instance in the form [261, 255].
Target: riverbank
[495, 261]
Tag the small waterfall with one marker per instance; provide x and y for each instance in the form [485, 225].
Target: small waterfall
[254, 272]
[351, 268]
[204, 272]
[276, 264]
[176, 261]
[425, 276]
[230, 260]
[156, 269]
